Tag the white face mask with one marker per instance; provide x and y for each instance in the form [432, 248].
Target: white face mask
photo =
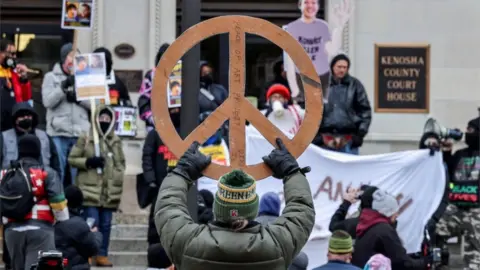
[278, 109]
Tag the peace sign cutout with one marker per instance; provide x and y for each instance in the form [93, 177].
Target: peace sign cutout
[237, 109]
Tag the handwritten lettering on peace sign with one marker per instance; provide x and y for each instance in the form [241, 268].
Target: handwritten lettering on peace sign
[237, 109]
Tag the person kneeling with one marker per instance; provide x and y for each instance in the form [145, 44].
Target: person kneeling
[73, 237]
[234, 240]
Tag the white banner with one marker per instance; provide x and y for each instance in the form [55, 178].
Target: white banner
[415, 177]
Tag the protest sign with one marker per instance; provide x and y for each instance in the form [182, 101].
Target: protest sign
[126, 121]
[414, 177]
[236, 109]
[90, 79]
[77, 14]
[175, 86]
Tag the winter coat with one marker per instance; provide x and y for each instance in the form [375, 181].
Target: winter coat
[334, 265]
[338, 221]
[100, 190]
[76, 242]
[209, 103]
[120, 90]
[8, 141]
[156, 160]
[212, 247]
[69, 119]
[348, 109]
[376, 235]
[13, 89]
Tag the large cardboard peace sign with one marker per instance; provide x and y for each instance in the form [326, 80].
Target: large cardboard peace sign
[237, 109]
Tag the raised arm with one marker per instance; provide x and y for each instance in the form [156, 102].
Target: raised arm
[292, 229]
[172, 219]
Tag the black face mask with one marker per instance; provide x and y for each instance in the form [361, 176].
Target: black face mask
[207, 79]
[9, 62]
[104, 127]
[473, 140]
[25, 124]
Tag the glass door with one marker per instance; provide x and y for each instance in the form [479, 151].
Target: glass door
[38, 47]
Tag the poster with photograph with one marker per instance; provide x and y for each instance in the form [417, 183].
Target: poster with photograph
[77, 14]
[126, 121]
[90, 78]
[175, 86]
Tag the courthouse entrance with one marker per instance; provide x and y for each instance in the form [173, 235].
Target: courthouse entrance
[34, 27]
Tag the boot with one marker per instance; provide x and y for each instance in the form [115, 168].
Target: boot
[102, 261]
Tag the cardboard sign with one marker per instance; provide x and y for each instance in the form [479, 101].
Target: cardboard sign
[464, 194]
[237, 109]
[90, 78]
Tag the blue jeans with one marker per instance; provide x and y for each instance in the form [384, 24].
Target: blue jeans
[103, 221]
[64, 145]
[347, 149]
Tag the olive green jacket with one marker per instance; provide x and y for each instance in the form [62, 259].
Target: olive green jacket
[100, 190]
[209, 247]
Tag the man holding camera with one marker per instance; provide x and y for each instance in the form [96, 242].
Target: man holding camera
[67, 118]
[462, 215]
[14, 85]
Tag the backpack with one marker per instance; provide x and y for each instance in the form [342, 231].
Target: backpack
[16, 195]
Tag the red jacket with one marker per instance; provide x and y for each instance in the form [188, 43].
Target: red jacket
[22, 90]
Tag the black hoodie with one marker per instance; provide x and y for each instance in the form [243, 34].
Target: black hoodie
[118, 86]
[25, 109]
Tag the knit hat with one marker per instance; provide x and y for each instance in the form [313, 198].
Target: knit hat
[475, 124]
[337, 58]
[64, 51]
[300, 262]
[74, 197]
[378, 262]
[270, 204]
[29, 146]
[366, 198]
[340, 243]
[236, 197]
[278, 89]
[384, 203]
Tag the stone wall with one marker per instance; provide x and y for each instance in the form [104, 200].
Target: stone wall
[452, 28]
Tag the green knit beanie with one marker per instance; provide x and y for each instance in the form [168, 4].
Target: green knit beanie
[340, 243]
[236, 197]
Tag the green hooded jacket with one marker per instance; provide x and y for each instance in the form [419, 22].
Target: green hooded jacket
[209, 247]
[100, 190]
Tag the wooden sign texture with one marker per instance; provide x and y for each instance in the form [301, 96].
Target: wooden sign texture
[237, 109]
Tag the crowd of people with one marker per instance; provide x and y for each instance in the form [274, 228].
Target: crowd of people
[73, 190]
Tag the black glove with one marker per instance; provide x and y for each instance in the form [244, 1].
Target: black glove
[95, 162]
[357, 141]
[192, 163]
[68, 82]
[71, 96]
[282, 163]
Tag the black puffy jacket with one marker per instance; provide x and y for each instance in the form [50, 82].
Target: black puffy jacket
[75, 240]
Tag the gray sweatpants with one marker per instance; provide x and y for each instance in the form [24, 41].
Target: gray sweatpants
[24, 241]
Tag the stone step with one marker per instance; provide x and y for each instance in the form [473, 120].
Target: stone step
[130, 258]
[129, 231]
[128, 244]
[125, 218]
